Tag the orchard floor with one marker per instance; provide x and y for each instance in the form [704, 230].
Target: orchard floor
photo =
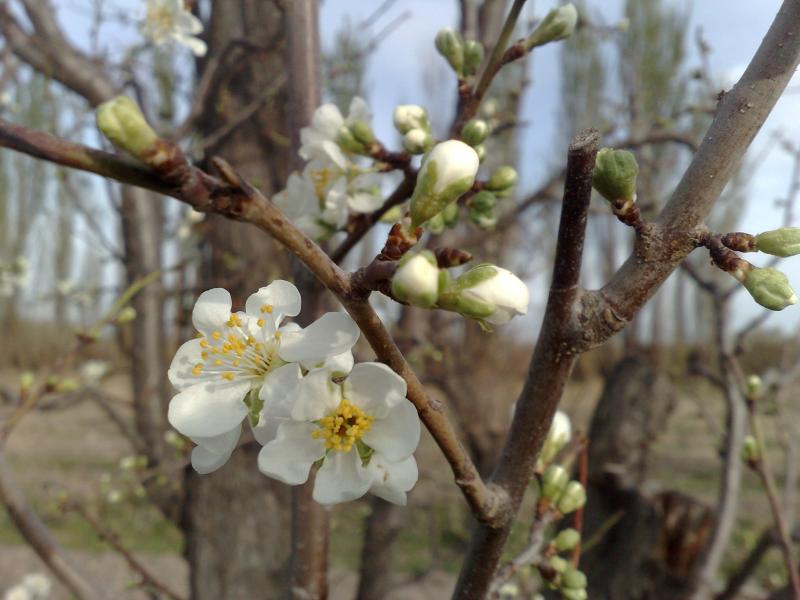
[77, 451]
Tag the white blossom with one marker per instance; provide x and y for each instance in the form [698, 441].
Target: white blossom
[244, 361]
[320, 140]
[363, 429]
[410, 116]
[168, 20]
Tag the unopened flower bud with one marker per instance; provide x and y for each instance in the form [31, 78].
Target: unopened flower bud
[451, 47]
[393, 215]
[26, 381]
[416, 279]
[126, 315]
[770, 288]
[489, 293]
[558, 564]
[475, 132]
[502, 179]
[122, 122]
[573, 579]
[417, 141]
[483, 201]
[435, 224]
[447, 172]
[574, 594]
[751, 453]
[410, 116]
[348, 141]
[779, 242]
[614, 176]
[554, 480]
[485, 220]
[450, 214]
[753, 385]
[573, 498]
[362, 132]
[560, 433]
[473, 57]
[567, 539]
[480, 150]
[66, 386]
[557, 25]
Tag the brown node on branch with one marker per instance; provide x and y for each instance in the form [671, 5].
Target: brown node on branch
[451, 257]
[739, 241]
[726, 259]
[399, 241]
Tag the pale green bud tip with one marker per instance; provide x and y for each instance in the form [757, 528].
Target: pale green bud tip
[475, 132]
[473, 56]
[779, 242]
[571, 594]
[451, 47]
[392, 215]
[573, 579]
[559, 565]
[417, 141]
[770, 288]
[502, 179]
[447, 172]
[554, 481]
[754, 385]
[573, 498]
[750, 450]
[614, 175]
[567, 540]
[557, 25]
[26, 380]
[416, 279]
[410, 116]
[362, 132]
[126, 315]
[557, 437]
[123, 123]
[491, 294]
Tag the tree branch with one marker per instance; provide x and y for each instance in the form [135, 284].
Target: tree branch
[551, 364]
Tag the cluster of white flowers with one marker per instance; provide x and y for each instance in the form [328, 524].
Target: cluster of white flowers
[168, 20]
[34, 586]
[333, 184]
[303, 397]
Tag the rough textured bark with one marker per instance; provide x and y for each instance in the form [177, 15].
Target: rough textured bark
[245, 557]
[383, 525]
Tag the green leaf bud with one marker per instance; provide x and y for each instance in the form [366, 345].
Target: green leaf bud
[753, 385]
[558, 24]
[473, 57]
[126, 315]
[554, 481]
[480, 150]
[770, 288]
[435, 224]
[573, 498]
[779, 242]
[122, 122]
[574, 594]
[451, 47]
[484, 220]
[573, 579]
[26, 381]
[567, 539]
[363, 132]
[450, 214]
[558, 564]
[614, 176]
[483, 201]
[751, 453]
[502, 179]
[475, 132]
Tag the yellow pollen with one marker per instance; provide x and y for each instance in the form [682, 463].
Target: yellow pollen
[343, 428]
[260, 322]
[218, 362]
[236, 362]
[251, 340]
[204, 343]
[197, 369]
[228, 376]
[216, 335]
[234, 321]
[277, 335]
[204, 354]
[266, 308]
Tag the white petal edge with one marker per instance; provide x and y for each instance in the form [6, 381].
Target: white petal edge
[397, 435]
[341, 478]
[374, 388]
[212, 310]
[316, 396]
[393, 479]
[333, 333]
[282, 296]
[288, 458]
[208, 409]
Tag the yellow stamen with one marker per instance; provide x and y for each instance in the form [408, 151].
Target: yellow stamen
[266, 308]
[260, 322]
[342, 429]
[216, 335]
[228, 376]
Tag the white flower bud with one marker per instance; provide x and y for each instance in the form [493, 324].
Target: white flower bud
[410, 116]
[557, 25]
[496, 293]
[573, 498]
[447, 172]
[417, 141]
[416, 279]
[560, 433]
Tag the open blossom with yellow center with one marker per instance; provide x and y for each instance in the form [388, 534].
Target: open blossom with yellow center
[362, 428]
[168, 20]
[241, 362]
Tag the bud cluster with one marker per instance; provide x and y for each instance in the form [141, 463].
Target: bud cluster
[464, 56]
[412, 122]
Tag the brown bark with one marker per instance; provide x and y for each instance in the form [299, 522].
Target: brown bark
[237, 521]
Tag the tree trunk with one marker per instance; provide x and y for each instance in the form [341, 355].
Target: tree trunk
[237, 521]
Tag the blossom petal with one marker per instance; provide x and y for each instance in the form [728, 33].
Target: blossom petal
[397, 435]
[180, 370]
[327, 120]
[279, 390]
[317, 396]
[374, 388]
[364, 201]
[211, 453]
[393, 479]
[358, 111]
[208, 409]
[282, 296]
[338, 365]
[341, 478]
[212, 310]
[288, 458]
[333, 333]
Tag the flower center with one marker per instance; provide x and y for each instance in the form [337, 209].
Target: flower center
[343, 428]
[232, 352]
[321, 178]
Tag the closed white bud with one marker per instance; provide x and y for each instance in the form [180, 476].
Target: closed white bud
[410, 116]
[559, 435]
[417, 141]
[447, 172]
[416, 279]
[491, 294]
